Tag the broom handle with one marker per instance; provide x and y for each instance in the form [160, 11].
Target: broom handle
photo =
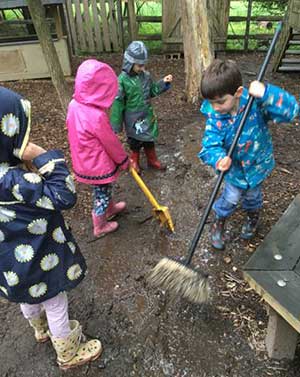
[214, 193]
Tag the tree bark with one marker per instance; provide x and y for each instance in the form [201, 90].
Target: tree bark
[197, 45]
[37, 12]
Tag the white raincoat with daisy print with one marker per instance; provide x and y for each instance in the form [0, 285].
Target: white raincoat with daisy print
[38, 256]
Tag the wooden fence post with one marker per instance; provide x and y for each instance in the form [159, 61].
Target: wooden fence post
[132, 20]
[246, 43]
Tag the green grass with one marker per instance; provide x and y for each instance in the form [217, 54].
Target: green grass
[13, 14]
[240, 8]
[150, 8]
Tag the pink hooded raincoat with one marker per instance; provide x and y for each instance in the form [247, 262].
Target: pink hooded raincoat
[97, 154]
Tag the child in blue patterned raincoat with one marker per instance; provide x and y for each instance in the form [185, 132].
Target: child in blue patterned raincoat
[253, 159]
[39, 258]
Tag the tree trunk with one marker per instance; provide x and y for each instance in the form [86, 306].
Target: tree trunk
[37, 12]
[197, 45]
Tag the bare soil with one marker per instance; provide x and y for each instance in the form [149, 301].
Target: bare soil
[144, 331]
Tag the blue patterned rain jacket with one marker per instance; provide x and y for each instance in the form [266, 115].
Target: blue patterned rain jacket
[38, 255]
[253, 158]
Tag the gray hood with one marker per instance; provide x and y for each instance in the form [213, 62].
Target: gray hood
[136, 53]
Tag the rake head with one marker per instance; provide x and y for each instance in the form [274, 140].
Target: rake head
[163, 215]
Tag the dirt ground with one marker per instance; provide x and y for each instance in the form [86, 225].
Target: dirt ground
[145, 332]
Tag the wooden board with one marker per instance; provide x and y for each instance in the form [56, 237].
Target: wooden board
[105, 26]
[9, 4]
[277, 279]
[285, 300]
[79, 25]
[88, 26]
[72, 24]
[97, 27]
[283, 240]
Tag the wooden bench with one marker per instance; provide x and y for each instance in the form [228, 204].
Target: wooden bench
[274, 273]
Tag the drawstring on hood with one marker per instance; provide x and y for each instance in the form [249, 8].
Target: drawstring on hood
[136, 53]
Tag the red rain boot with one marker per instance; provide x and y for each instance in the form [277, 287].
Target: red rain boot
[102, 226]
[153, 162]
[114, 208]
[135, 161]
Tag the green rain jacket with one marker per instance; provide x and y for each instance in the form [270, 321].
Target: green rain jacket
[132, 105]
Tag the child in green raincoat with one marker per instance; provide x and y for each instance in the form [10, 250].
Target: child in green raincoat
[133, 108]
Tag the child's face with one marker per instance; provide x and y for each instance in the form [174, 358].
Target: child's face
[227, 104]
[138, 68]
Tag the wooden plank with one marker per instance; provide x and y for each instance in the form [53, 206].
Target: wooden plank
[149, 19]
[173, 40]
[292, 52]
[88, 26]
[294, 42]
[263, 37]
[290, 61]
[132, 20]
[171, 15]
[149, 37]
[79, 25]
[10, 4]
[282, 241]
[254, 18]
[120, 24]
[97, 28]
[71, 19]
[105, 27]
[289, 69]
[113, 25]
[284, 300]
[246, 40]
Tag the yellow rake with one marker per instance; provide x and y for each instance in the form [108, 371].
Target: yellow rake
[160, 212]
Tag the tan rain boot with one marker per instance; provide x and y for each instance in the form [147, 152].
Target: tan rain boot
[40, 326]
[71, 352]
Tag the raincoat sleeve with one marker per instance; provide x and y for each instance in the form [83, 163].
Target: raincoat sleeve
[158, 87]
[212, 144]
[52, 188]
[112, 144]
[278, 105]
[117, 110]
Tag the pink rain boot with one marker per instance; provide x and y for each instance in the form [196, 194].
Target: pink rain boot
[114, 208]
[102, 226]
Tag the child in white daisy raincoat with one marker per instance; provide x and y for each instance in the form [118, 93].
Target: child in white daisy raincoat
[39, 258]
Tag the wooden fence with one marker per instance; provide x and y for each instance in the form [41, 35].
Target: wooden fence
[108, 25]
[221, 43]
[95, 25]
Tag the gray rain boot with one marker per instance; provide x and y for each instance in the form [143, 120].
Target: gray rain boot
[217, 233]
[251, 224]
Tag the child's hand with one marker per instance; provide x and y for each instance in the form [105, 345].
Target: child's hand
[168, 78]
[257, 89]
[224, 164]
[32, 151]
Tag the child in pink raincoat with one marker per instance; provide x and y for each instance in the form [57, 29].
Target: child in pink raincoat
[97, 154]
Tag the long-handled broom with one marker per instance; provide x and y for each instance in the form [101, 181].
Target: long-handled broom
[179, 276]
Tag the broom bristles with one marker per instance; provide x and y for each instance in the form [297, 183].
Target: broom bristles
[182, 280]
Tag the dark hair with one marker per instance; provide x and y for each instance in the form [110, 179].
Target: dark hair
[220, 78]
